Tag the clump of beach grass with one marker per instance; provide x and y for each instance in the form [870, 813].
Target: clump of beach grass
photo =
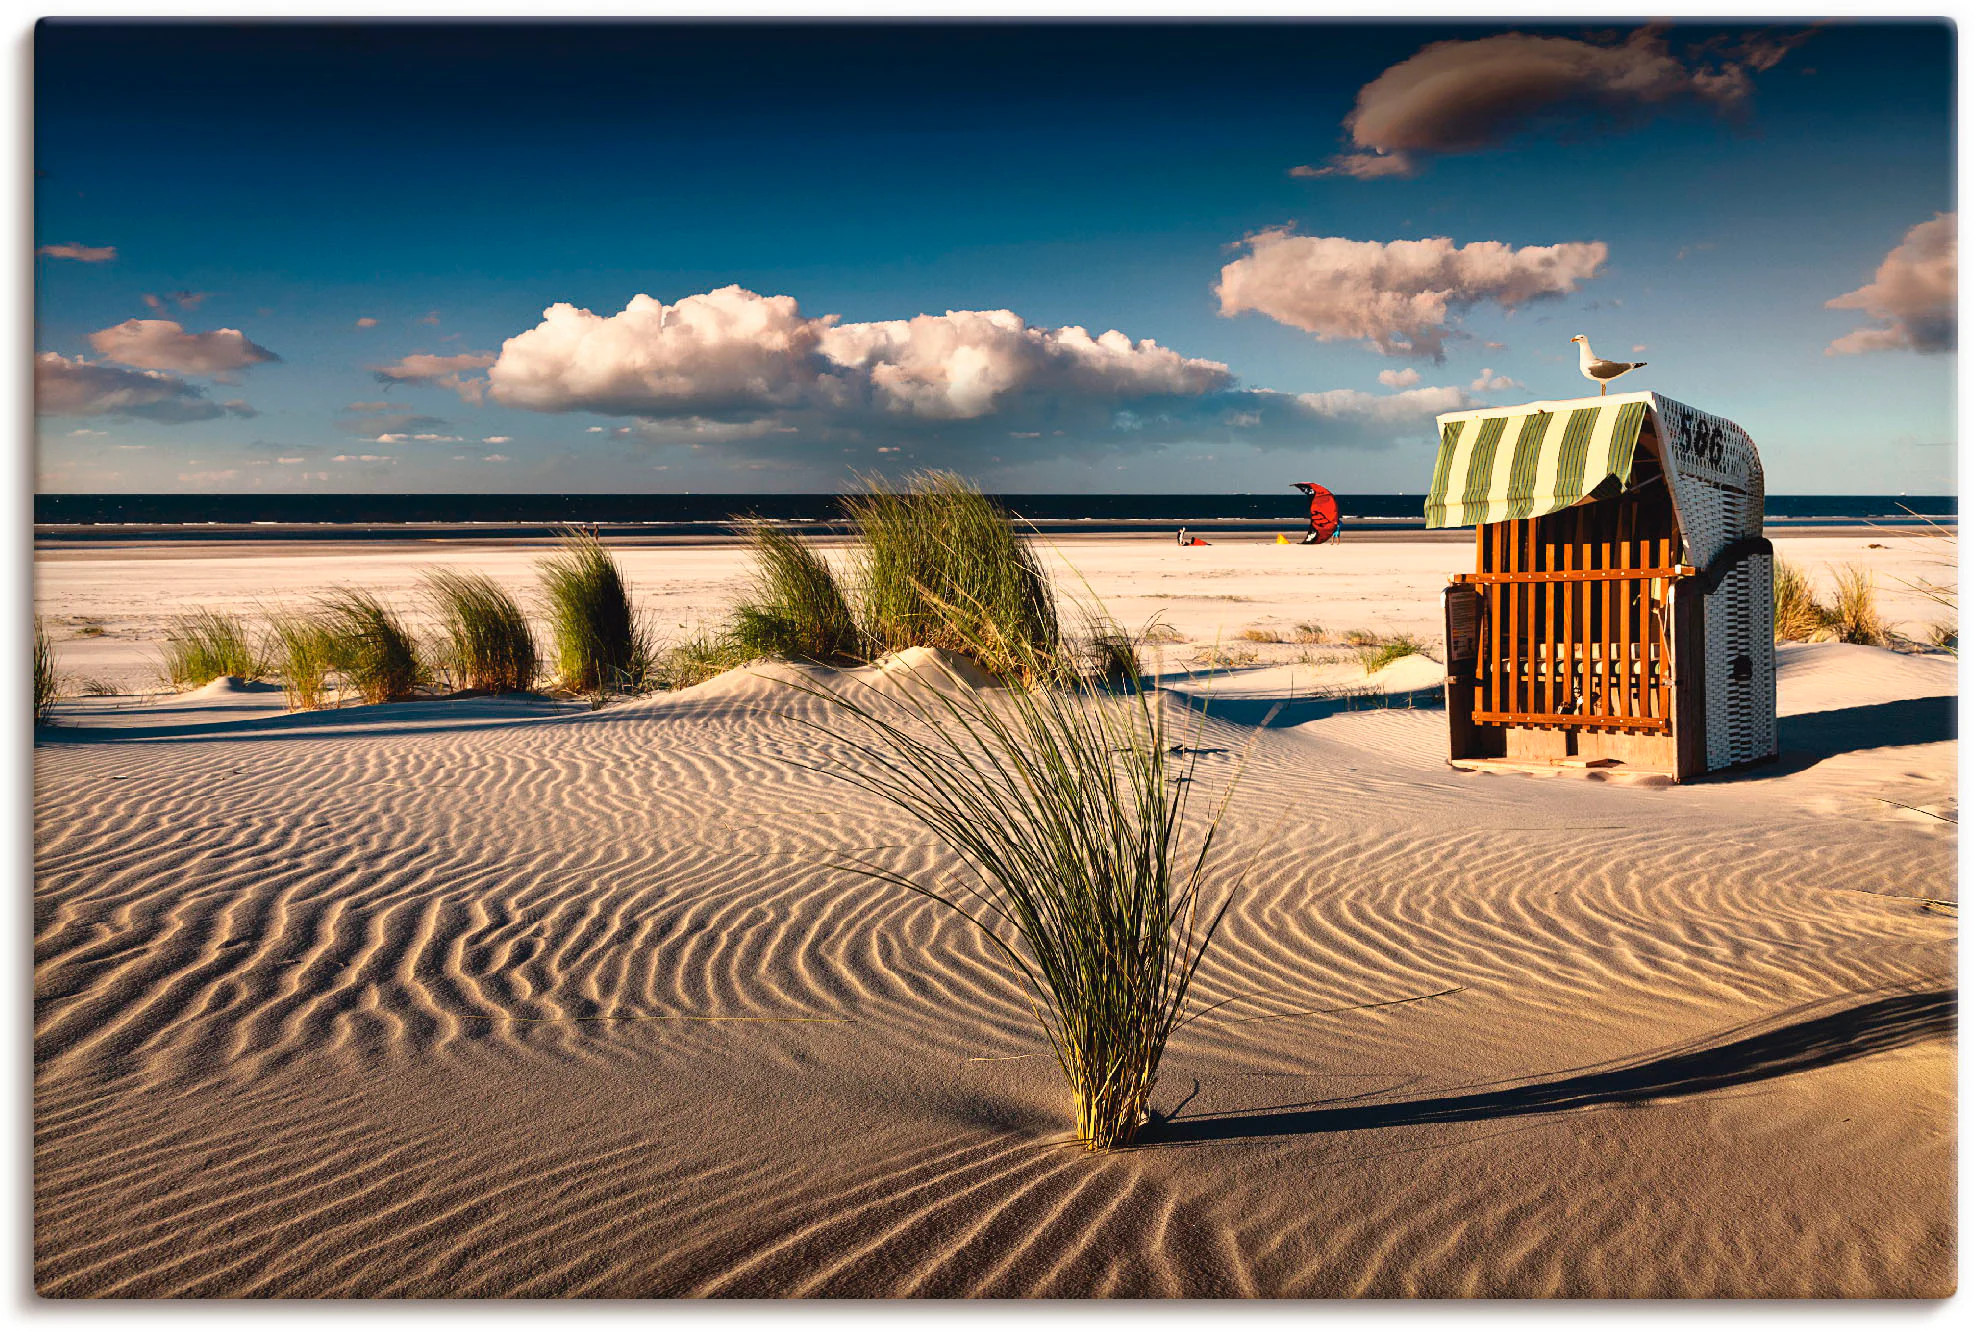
[207, 645]
[1853, 611]
[1378, 652]
[47, 681]
[1158, 632]
[1307, 633]
[1261, 634]
[599, 643]
[1798, 616]
[941, 565]
[1110, 655]
[1944, 634]
[796, 608]
[304, 649]
[370, 646]
[486, 642]
[699, 657]
[1082, 866]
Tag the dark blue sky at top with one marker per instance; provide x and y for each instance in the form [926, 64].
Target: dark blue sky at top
[1076, 174]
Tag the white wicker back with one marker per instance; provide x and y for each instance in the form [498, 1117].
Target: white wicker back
[1717, 488]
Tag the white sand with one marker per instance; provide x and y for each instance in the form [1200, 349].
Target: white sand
[508, 997]
[1206, 594]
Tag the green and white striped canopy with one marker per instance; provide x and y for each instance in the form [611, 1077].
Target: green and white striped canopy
[1521, 462]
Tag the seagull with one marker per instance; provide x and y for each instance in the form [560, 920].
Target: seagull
[1599, 370]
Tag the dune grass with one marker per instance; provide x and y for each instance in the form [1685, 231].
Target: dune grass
[1798, 616]
[486, 642]
[47, 682]
[1377, 652]
[1069, 812]
[371, 647]
[941, 565]
[796, 608]
[699, 657]
[206, 645]
[304, 651]
[600, 645]
[1853, 611]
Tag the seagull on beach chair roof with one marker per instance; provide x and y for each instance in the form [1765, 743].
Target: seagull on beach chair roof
[1598, 370]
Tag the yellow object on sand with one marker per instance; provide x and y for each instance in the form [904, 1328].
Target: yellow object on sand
[1281, 540]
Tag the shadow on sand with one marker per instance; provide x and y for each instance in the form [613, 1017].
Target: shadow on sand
[1853, 1033]
[1276, 711]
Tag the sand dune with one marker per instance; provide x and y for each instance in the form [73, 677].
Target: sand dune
[503, 998]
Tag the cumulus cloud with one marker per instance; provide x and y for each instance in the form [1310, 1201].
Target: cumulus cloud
[498, 439]
[65, 386]
[82, 254]
[1462, 96]
[1398, 296]
[1412, 407]
[1913, 296]
[1398, 379]
[164, 344]
[732, 352]
[438, 371]
[760, 380]
[1489, 382]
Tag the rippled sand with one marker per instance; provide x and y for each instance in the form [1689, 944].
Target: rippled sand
[507, 998]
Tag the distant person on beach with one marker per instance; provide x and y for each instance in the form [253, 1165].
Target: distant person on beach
[1182, 536]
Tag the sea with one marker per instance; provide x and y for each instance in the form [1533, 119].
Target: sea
[314, 517]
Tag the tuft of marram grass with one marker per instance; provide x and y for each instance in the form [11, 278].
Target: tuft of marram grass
[599, 643]
[47, 682]
[942, 566]
[1944, 634]
[304, 648]
[1109, 654]
[796, 608]
[486, 642]
[1853, 611]
[1380, 652]
[699, 657]
[207, 645]
[1798, 617]
[1083, 870]
[371, 647]
[1261, 634]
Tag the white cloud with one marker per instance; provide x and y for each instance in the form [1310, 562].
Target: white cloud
[366, 321]
[498, 439]
[164, 344]
[363, 458]
[732, 352]
[1914, 295]
[1489, 382]
[84, 254]
[1399, 296]
[65, 386]
[85, 431]
[495, 458]
[1412, 407]
[1398, 379]
[438, 371]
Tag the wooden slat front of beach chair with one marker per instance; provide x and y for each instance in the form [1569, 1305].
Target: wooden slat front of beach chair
[1576, 625]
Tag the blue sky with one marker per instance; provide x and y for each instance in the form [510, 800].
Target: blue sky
[1701, 193]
